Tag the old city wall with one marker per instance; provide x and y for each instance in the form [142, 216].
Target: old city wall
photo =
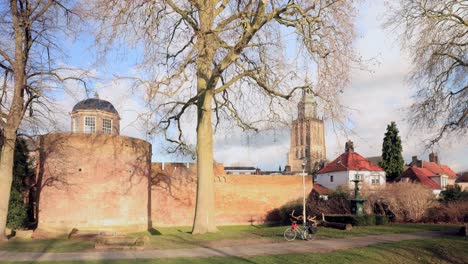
[240, 199]
[93, 181]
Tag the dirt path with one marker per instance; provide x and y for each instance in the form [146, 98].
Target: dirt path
[316, 246]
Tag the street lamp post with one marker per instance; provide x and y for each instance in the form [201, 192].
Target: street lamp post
[304, 192]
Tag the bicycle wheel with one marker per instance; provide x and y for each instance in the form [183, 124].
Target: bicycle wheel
[289, 234]
[308, 236]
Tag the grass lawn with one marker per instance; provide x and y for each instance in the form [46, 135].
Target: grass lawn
[434, 250]
[236, 235]
[179, 237]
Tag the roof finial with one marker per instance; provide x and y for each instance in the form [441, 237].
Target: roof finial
[96, 95]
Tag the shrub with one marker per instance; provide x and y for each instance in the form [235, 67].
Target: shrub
[453, 212]
[453, 194]
[337, 203]
[285, 211]
[381, 219]
[17, 211]
[354, 220]
[401, 201]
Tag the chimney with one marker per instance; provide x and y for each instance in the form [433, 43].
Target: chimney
[415, 162]
[349, 146]
[433, 157]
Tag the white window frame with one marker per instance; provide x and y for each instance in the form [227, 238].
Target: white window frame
[89, 128]
[375, 179]
[75, 125]
[106, 130]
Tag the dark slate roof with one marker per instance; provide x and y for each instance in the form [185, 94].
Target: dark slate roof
[95, 104]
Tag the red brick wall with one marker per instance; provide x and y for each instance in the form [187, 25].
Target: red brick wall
[91, 181]
[240, 199]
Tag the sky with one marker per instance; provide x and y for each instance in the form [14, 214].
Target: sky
[376, 96]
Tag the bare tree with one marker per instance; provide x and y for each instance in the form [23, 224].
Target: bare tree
[229, 59]
[28, 43]
[435, 34]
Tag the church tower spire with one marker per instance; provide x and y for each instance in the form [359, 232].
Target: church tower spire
[307, 136]
[307, 107]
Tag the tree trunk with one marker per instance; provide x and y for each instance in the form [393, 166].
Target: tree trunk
[205, 211]
[6, 178]
[205, 207]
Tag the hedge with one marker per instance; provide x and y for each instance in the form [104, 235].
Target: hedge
[355, 220]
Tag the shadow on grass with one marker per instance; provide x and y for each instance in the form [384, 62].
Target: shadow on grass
[154, 232]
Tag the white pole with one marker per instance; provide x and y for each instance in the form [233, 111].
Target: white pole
[304, 196]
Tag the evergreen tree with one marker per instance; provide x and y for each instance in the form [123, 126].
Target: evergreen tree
[17, 208]
[392, 160]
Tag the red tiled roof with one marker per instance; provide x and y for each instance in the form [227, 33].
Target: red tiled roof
[422, 175]
[439, 169]
[350, 161]
[320, 189]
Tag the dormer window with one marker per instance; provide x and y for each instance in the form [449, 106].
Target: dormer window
[90, 124]
[106, 126]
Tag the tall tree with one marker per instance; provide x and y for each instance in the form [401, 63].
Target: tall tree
[392, 160]
[435, 35]
[223, 58]
[27, 51]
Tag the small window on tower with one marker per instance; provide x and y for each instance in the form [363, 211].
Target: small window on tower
[90, 124]
[106, 126]
[75, 124]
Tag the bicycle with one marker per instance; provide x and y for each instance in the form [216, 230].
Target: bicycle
[306, 233]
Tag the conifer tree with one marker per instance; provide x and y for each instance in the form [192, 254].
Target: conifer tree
[18, 209]
[392, 160]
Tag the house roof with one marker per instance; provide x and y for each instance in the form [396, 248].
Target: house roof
[320, 189]
[350, 161]
[422, 175]
[439, 169]
[462, 178]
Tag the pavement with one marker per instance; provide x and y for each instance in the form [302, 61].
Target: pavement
[294, 247]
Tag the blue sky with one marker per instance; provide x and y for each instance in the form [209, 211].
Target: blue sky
[378, 96]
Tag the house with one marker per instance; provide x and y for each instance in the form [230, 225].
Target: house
[424, 176]
[241, 170]
[342, 170]
[432, 174]
[321, 191]
[463, 181]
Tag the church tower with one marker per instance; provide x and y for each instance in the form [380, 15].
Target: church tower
[307, 136]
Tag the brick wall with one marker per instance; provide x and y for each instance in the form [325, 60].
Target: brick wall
[240, 199]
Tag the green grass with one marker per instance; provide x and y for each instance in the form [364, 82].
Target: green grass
[180, 237]
[46, 245]
[434, 250]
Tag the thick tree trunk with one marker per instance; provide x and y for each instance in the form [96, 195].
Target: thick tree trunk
[205, 211]
[205, 208]
[6, 178]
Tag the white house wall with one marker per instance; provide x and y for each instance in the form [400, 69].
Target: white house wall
[339, 178]
[344, 178]
[366, 176]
